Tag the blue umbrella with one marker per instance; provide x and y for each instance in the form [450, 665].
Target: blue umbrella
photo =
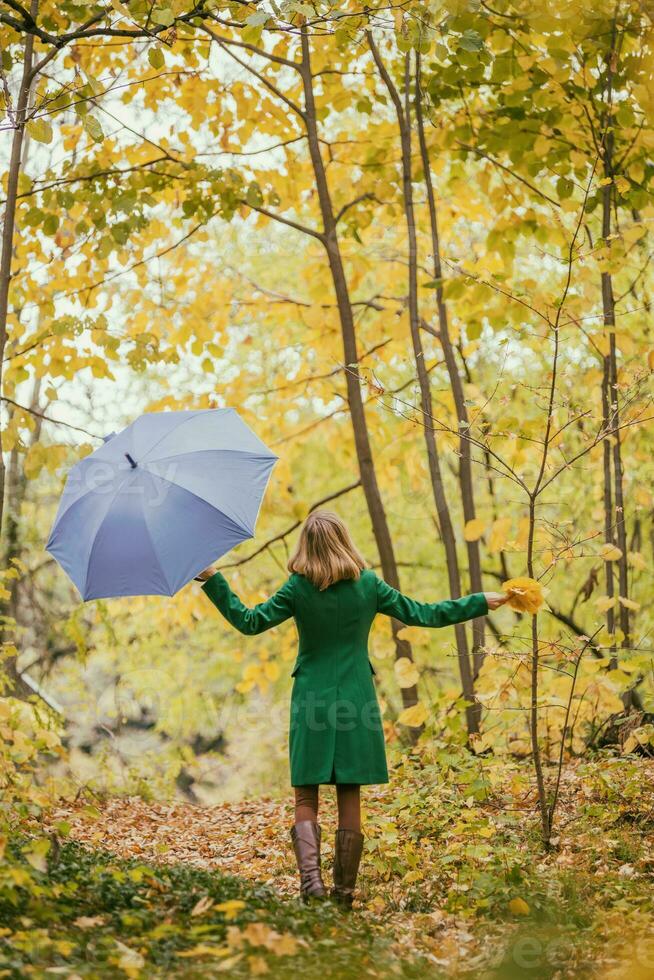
[160, 501]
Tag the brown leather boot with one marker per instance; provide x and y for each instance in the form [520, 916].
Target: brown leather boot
[306, 844]
[347, 857]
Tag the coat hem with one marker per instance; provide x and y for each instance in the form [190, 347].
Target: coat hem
[350, 778]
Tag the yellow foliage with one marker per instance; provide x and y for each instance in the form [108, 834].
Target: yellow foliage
[609, 552]
[473, 529]
[518, 907]
[415, 716]
[526, 594]
[406, 672]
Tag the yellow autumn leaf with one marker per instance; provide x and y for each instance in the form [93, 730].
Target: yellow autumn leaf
[630, 744]
[205, 950]
[473, 529]
[636, 560]
[258, 966]
[228, 964]
[526, 594]
[258, 934]
[89, 921]
[231, 908]
[518, 906]
[604, 602]
[609, 552]
[202, 906]
[406, 672]
[284, 945]
[415, 716]
[498, 535]
[628, 603]
[130, 961]
[271, 670]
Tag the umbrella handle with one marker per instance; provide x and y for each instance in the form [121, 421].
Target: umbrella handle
[130, 461]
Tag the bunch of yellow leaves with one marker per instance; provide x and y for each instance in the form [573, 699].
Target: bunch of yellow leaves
[526, 594]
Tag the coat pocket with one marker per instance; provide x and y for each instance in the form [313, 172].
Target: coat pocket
[372, 669]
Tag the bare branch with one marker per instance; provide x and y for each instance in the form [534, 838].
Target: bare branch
[289, 530]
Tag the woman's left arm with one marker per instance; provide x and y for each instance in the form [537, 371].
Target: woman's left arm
[261, 617]
[434, 614]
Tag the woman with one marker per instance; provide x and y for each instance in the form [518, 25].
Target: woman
[336, 733]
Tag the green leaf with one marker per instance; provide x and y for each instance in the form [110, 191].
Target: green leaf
[257, 18]
[50, 224]
[251, 35]
[165, 17]
[156, 58]
[93, 128]
[471, 41]
[40, 130]
[564, 188]
[33, 217]
[253, 196]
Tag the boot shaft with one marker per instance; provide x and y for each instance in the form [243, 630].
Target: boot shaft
[347, 858]
[306, 844]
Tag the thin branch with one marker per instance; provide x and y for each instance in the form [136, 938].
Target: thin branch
[286, 221]
[289, 530]
[48, 418]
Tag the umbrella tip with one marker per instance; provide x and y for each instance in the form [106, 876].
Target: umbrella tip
[130, 461]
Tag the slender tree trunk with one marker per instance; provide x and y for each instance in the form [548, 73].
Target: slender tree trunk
[16, 488]
[616, 518]
[6, 253]
[543, 803]
[608, 500]
[465, 455]
[367, 470]
[438, 488]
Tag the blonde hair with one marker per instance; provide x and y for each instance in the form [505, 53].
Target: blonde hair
[325, 552]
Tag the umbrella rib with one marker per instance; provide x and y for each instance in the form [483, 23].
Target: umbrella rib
[193, 452]
[154, 550]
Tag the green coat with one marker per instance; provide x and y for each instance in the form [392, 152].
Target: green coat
[336, 732]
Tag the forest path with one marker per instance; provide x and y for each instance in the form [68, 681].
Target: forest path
[449, 887]
[247, 839]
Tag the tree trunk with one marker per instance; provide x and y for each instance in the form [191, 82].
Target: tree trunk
[355, 400]
[6, 254]
[608, 499]
[465, 458]
[16, 488]
[438, 488]
[616, 518]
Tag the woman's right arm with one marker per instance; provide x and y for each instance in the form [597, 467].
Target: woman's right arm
[434, 614]
[261, 617]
